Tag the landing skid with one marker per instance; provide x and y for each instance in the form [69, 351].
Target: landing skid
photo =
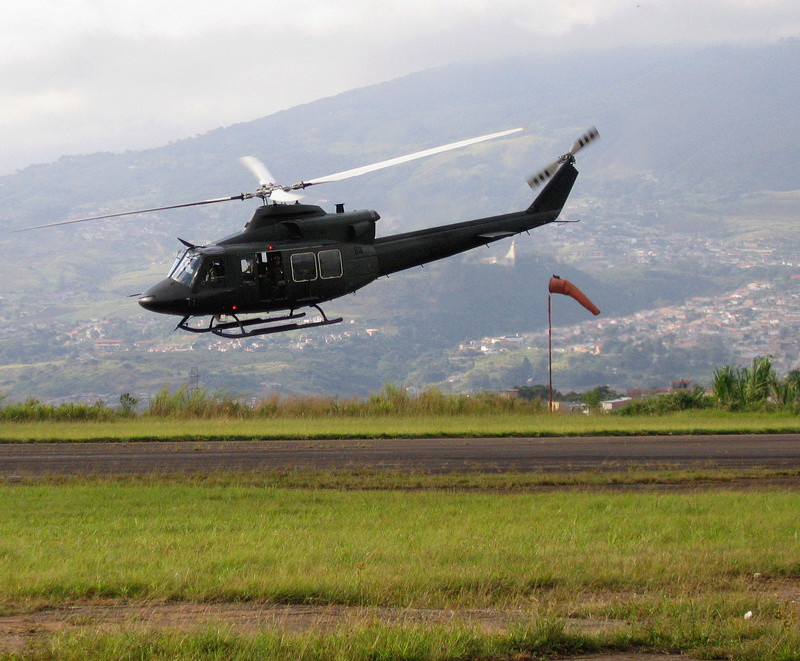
[227, 328]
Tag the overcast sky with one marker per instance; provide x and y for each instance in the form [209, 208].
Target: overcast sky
[78, 76]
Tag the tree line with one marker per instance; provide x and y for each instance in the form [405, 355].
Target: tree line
[733, 388]
[757, 387]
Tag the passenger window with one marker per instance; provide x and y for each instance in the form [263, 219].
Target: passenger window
[304, 267]
[330, 264]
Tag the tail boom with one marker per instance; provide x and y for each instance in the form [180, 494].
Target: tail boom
[403, 251]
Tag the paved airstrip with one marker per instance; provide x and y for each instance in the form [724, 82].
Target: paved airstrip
[775, 451]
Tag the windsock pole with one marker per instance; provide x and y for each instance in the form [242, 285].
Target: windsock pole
[550, 347]
[560, 286]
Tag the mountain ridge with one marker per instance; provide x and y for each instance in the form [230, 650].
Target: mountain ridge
[688, 136]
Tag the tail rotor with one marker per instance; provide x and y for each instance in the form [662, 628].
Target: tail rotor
[544, 174]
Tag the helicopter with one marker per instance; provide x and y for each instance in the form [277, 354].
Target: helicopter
[292, 256]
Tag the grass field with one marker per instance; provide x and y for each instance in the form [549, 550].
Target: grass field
[341, 426]
[713, 572]
[665, 571]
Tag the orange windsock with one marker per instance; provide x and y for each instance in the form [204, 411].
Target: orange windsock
[561, 286]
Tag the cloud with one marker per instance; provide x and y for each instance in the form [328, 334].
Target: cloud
[87, 75]
[18, 109]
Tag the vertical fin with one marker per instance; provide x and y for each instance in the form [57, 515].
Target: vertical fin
[555, 193]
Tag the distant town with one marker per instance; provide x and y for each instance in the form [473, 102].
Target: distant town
[758, 315]
[761, 317]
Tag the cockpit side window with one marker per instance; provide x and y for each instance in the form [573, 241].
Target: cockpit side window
[213, 274]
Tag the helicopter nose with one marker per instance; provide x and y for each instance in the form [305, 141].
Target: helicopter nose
[166, 297]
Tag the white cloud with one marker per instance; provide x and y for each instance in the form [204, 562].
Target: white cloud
[87, 75]
[18, 109]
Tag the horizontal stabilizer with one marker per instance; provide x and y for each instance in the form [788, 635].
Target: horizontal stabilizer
[495, 235]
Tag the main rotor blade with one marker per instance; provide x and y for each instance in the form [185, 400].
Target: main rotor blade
[284, 197]
[355, 172]
[269, 186]
[258, 169]
[241, 196]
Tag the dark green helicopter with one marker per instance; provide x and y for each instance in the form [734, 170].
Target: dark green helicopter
[292, 256]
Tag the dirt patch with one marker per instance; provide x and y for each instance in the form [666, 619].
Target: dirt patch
[786, 590]
[18, 631]
[635, 657]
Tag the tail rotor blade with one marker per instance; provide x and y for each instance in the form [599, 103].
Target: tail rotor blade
[590, 136]
[543, 175]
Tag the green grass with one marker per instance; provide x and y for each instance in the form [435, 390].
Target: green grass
[684, 630]
[364, 642]
[688, 630]
[402, 426]
[675, 570]
[168, 540]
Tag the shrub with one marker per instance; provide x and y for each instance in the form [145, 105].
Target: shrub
[197, 403]
[667, 403]
[127, 405]
[33, 409]
[755, 387]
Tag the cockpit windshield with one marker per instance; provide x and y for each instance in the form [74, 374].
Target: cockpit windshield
[178, 259]
[186, 267]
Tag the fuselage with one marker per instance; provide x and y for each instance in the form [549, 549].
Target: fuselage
[287, 257]
[293, 256]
